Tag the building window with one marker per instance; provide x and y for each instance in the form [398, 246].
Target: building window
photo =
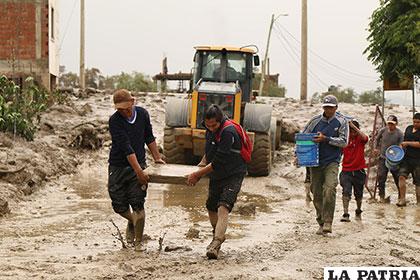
[52, 23]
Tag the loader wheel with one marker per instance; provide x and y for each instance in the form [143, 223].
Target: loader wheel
[173, 153]
[260, 164]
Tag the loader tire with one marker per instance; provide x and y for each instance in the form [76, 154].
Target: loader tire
[261, 157]
[171, 150]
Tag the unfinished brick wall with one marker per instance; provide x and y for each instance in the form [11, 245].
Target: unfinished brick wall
[18, 30]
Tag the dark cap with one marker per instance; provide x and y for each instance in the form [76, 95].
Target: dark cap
[356, 123]
[329, 101]
[392, 119]
[122, 99]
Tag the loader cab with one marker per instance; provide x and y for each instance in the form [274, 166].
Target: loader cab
[225, 65]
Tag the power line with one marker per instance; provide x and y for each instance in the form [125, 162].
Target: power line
[296, 53]
[296, 58]
[335, 74]
[67, 25]
[323, 59]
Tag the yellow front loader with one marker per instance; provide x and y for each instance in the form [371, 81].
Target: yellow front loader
[223, 76]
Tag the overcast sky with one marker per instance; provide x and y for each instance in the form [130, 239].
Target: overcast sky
[133, 35]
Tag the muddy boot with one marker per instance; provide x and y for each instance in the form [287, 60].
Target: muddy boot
[138, 218]
[401, 202]
[320, 230]
[359, 209]
[327, 228]
[385, 200]
[129, 233]
[346, 215]
[358, 214]
[213, 248]
[418, 195]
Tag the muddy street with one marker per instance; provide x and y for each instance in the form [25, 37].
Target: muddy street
[63, 230]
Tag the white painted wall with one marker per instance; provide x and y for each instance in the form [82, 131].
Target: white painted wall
[54, 42]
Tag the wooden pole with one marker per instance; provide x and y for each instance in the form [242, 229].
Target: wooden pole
[304, 53]
[264, 65]
[82, 45]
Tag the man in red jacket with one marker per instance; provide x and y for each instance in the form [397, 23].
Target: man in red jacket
[353, 174]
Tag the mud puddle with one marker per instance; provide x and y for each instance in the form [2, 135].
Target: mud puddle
[67, 224]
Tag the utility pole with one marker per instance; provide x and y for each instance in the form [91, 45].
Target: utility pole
[304, 53]
[82, 45]
[264, 64]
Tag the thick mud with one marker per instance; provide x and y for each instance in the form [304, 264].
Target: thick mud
[63, 230]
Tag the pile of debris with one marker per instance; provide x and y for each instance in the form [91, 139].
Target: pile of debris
[89, 135]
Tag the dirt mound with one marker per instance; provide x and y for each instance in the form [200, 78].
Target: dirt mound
[89, 136]
[288, 131]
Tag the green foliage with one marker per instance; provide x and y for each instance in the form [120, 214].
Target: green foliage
[135, 81]
[69, 80]
[394, 38]
[19, 107]
[93, 78]
[347, 95]
[371, 96]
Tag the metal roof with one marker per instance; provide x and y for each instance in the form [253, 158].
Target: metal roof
[228, 48]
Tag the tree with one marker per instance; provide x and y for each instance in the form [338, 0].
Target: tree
[394, 38]
[109, 82]
[93, 78]
[371, 96]
[134, 82]
[69, 80]
[347, 95]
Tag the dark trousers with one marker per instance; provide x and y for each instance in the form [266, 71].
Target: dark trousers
[353, 181]
[382, 176]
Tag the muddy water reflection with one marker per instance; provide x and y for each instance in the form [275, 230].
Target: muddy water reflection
[190, 199]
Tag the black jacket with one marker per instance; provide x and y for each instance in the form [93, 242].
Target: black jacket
[129, 138]
[224, 155]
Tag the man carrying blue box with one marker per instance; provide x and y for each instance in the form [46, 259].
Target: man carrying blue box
[333, 135]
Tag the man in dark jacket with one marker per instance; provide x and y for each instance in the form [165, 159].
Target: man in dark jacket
[223, 162]
[411, 162]
[333, 135]
[130, 130]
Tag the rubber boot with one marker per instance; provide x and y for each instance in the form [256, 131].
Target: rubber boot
[213, 231]
[320, 230]
[418, 195]
[213, 248]
[138, 221]
[346, 215]
[129, 233]
[327, 228]
[401, 201]
[359, 208]
[386, 200]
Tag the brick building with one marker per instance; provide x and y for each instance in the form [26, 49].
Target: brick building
[29, 40]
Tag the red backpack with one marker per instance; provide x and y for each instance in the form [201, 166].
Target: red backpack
[247, 145]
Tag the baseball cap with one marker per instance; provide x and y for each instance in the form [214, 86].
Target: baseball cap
[329, 101]
[122, 99]
[392, 119]
[356, 123]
